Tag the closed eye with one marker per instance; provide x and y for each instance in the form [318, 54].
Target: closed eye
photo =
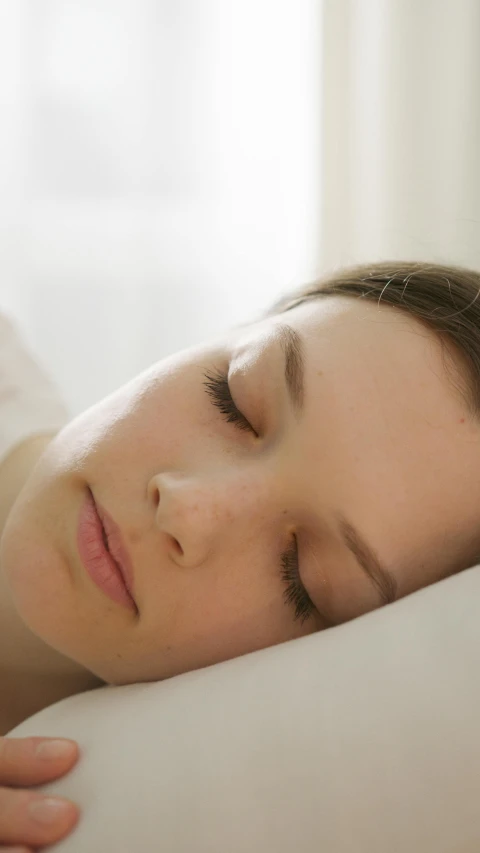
[295, 593]
[218, 390]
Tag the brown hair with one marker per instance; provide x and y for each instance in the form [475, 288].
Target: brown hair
[443, 298]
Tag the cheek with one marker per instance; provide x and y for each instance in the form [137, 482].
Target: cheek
[154, 424]
[235, 601]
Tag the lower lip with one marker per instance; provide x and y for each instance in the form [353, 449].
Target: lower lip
[96, 559]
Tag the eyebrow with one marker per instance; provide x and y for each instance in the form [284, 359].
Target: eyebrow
[292, 346]
[381, 578]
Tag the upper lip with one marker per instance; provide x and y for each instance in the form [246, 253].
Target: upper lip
[116, 546]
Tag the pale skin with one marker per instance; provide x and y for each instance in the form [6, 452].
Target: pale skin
[207, 510]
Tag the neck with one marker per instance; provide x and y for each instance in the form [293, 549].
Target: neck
[32, 674]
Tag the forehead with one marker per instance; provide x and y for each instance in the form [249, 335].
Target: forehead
[374, 344]
[375, 378]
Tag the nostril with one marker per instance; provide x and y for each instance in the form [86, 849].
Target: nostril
[176, 546]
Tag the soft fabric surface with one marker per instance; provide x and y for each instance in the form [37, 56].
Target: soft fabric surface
[362, 739]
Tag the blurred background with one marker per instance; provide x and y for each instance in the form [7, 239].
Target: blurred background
[168, 168]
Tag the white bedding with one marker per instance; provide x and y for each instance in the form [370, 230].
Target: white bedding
[362, 739]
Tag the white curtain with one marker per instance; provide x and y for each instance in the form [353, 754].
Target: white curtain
[156, 165]
[400, 131]
[169, 167]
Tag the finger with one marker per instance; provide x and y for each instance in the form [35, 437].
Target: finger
[28, 818]
[26, 761]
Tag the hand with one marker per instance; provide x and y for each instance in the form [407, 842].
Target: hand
[20, 766]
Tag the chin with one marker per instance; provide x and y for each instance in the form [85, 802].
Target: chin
[34, 576]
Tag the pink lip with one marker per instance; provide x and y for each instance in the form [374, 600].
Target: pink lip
[117, 547]
[110, 568]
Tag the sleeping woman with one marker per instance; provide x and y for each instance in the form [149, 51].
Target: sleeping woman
[301, 471]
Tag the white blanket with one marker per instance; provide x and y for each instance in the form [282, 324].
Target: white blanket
[361, 739]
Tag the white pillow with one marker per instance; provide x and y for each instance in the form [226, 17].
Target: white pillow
[361, 739]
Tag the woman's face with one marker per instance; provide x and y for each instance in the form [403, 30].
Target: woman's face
[361, 430]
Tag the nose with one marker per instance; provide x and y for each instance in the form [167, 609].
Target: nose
[194, 513]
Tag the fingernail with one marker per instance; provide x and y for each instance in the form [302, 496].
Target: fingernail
[51, 749]
[48, 810]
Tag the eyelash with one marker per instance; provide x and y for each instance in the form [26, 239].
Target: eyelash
[295, 593]
[218, 390]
